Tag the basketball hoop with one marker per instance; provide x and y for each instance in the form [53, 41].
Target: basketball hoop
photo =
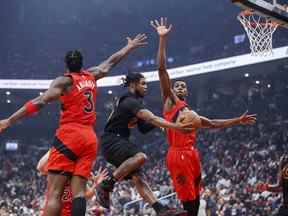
[260, 31]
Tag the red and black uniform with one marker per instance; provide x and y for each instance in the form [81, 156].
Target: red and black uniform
[75, 145]
[183, 160]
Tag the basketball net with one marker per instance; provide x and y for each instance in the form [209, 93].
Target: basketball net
[260, 32]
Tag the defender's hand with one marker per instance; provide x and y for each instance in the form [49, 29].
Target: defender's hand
[138, 41]
[247, 119]
[161, 26]
[102, 174]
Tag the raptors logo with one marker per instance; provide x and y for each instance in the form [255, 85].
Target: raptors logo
[285, 172]
[181, 179]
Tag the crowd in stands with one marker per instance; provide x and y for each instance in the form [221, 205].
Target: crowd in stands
[234, 160]
[22, 189]
[35, 43]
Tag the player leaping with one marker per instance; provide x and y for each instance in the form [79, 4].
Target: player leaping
[183, 158]
[75, 145]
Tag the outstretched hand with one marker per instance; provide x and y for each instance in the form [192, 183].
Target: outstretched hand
[4, 124]
[247, 119]
[161, 26]
[102, 174]
[139, 40]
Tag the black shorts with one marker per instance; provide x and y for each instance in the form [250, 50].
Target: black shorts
[283, 211]
[117, 149]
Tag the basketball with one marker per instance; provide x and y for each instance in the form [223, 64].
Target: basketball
[190, 117]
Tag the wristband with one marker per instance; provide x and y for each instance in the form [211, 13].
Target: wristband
[31, 108]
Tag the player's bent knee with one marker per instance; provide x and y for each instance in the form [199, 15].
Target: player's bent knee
[136, 178]
[53, 203]
[78, 186]
[141, 157]
[54, 200]
[54, 193]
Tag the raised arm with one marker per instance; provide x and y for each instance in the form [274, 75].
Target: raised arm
[103, 69]
[163, 30]
[57, 87]
[244, 119]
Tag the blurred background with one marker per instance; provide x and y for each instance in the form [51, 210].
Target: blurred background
[34, 37]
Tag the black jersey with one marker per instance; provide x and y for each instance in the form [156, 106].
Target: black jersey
[124, 115]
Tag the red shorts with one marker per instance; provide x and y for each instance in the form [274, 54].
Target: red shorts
[74, 150]
[185, 170]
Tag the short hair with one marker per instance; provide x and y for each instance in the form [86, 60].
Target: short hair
[180, 80]
[132, 77]
[74, 60]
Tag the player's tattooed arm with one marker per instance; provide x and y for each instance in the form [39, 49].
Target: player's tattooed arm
[206, 123]
[162, 28]
[149, 117]
[58, 87]
[103, 69]
[244, 119]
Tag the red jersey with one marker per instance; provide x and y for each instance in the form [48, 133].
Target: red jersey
[78, 106]
[175, 137]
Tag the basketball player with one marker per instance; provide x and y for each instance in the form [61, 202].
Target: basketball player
[183, 158]
[281, 186]
[118, 150]
[75, 145]
[66, 199]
